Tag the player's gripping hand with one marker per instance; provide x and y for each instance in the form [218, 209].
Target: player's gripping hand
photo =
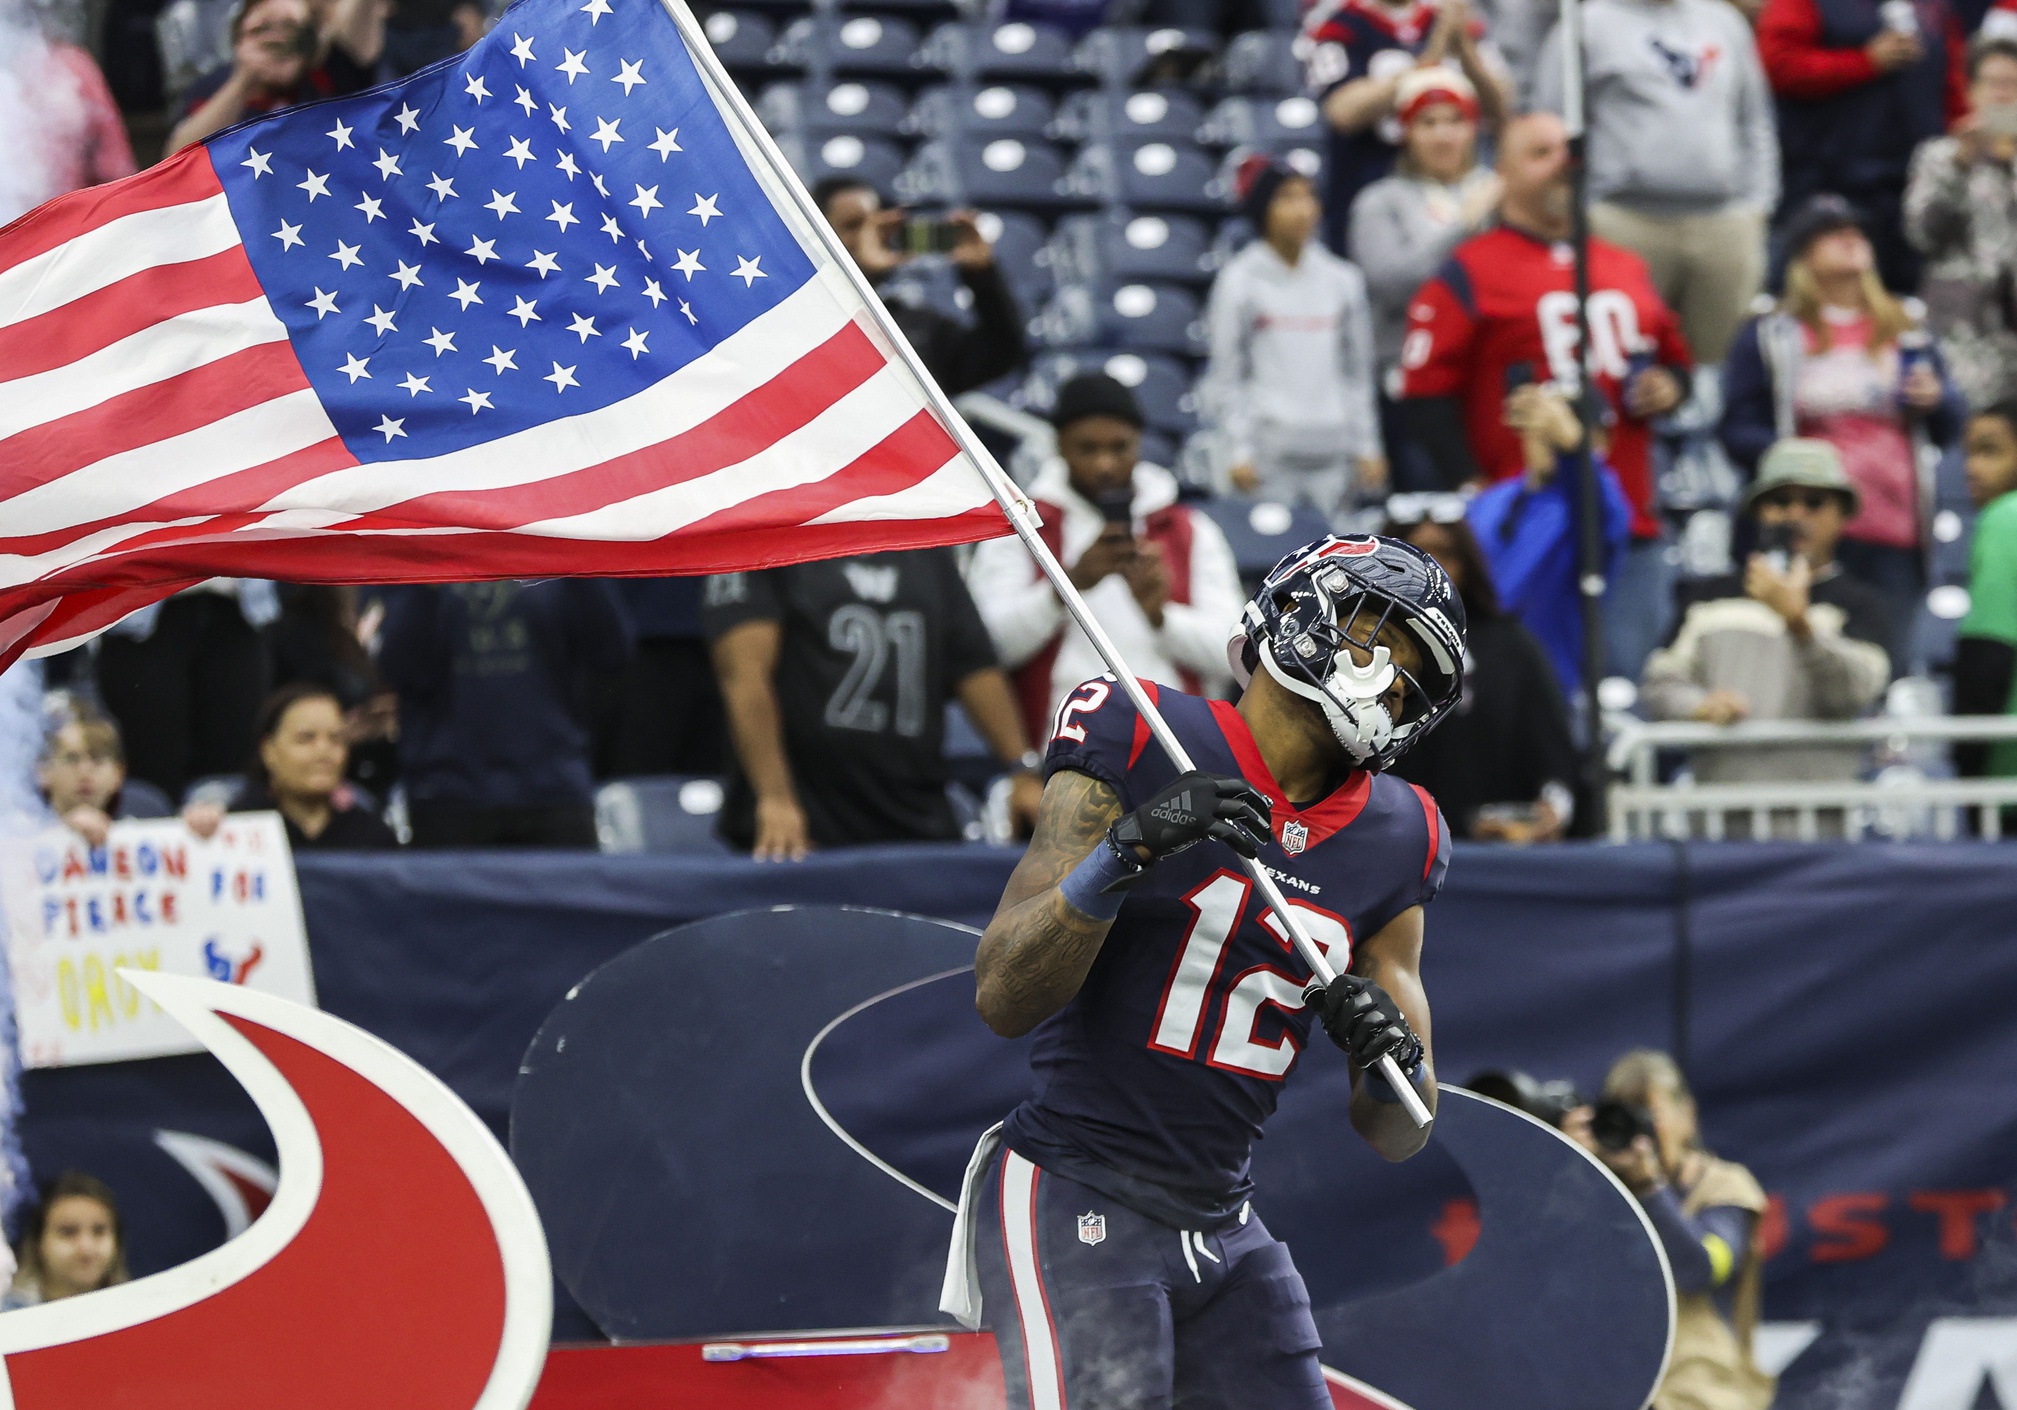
[1194, 806]
[1363, 1019]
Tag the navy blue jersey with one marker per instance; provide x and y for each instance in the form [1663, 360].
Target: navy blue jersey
[1153, 1082]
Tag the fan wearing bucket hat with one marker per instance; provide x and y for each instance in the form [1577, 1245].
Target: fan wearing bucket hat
[1290, 382]
[1357, 53]
[1794, 637]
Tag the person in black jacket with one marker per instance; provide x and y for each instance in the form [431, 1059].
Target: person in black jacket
[959, 356]
[1502, 765]
[297, 771]
[493, 720]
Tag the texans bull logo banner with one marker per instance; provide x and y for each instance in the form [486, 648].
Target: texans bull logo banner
[387, 1181]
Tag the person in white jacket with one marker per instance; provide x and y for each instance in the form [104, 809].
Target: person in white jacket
[1291, 378]
[1159, 576]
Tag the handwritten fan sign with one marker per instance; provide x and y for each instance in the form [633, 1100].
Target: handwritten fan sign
[154, 897]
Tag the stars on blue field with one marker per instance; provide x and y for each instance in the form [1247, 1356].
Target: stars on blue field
[493, 244]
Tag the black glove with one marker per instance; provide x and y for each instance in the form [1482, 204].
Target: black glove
[1193, 807]
[1363, 1019]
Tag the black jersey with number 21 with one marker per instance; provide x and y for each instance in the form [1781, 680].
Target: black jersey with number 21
[1153, 1082]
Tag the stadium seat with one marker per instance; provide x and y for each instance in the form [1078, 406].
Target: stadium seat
[917, 11]
[1159, 449]
[1150, 115]
[1016, 52]
[1020, 252]
[1262, 530]
[1273, 125]
[1161, 384]
[856, 44]
[743, 42]
[1124, 246]
[930, 282]
[1131, 58]
[1157, 176]
[1263, 62]
[1005, 171]
[859, 109]
[1137, 317]
[998, 110]
[816, 156]
[664, 813]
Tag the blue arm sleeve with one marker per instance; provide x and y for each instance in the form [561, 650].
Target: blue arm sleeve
[1749, 422]
[1703, 1251]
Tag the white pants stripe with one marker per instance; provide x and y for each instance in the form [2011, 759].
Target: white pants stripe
[1019, 1234]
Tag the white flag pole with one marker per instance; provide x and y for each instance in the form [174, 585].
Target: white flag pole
[1015, 504]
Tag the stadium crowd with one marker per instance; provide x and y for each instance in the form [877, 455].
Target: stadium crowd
[1236, 272]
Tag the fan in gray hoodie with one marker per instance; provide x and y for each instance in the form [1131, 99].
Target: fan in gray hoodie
[1683, 149]
[1290, 381]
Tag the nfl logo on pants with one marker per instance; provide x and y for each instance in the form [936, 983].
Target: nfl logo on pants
[1092, 1228]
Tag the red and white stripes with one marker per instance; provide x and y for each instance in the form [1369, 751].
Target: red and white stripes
[1041, 1352]
[156, 429]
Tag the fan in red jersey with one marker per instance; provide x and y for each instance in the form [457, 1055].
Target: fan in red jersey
[1501, 313]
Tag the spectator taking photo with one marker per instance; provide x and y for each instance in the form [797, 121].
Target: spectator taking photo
[1158, 576]
[1796, 637]
[1961, 214]
[959, 356]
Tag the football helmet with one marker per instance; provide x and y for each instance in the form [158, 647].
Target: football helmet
[1339, 593]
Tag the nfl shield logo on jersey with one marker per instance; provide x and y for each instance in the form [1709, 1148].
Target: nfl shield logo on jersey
[1092, 1228]
[1295, 837]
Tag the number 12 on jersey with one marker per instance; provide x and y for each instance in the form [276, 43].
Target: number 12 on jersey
[1216, 907]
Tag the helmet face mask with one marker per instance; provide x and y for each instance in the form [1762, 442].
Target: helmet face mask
[1317, 624]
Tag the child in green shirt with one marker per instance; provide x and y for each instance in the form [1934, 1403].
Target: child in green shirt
[1986, 660]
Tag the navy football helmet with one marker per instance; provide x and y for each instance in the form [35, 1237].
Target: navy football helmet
[1339, 593]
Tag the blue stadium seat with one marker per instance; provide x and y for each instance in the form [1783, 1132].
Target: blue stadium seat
[1159, 449]
[663, 813]
[920, 11]
[1271, 124]
[1157, 176]
[997, 110]
[930, 282]
[743, 42]
[1131, 317]
[1161, 384]
[818, 155]
[1263, 62]
[1004, 171]
[1150, 115]
[1019, 241]
[857, 44]
[1119, 57]
[1261, 531]
[1121, 245]
[1016, 52]
[859, 109]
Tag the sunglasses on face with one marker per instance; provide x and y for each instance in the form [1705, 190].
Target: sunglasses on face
[1811, 500]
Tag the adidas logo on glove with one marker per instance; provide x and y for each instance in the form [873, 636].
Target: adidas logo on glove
[1175, 810]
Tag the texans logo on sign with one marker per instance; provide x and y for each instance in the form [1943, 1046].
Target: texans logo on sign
[1092, 1228]
[1295, 837]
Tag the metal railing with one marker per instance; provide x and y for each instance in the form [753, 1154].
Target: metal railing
[1901, 801]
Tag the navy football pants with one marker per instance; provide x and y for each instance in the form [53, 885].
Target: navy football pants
[1096, 1307]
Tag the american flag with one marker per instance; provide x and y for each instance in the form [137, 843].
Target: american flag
[539, 310]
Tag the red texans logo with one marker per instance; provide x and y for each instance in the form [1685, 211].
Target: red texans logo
[1348, 548]
[400, 1265]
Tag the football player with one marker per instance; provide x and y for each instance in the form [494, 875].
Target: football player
[1107, 1224]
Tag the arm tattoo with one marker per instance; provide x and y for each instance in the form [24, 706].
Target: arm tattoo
[1038, 947]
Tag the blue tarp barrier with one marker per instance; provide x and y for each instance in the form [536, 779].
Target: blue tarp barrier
[1845, 1013]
